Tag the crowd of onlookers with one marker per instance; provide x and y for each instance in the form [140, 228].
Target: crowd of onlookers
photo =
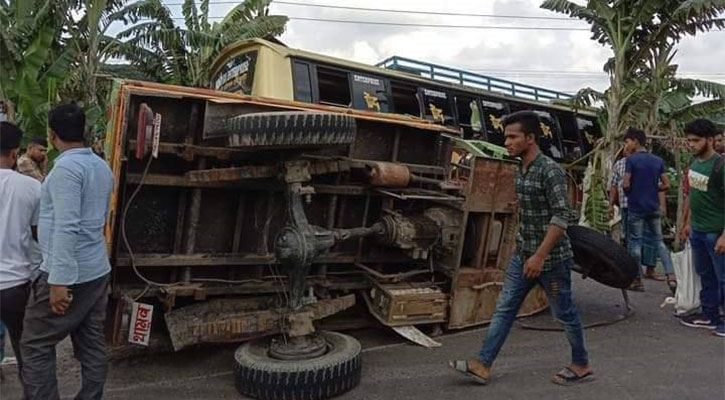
[54, 264]
[638, 183]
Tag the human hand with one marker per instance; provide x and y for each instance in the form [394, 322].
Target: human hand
[60, 299]
[533, 267]
[685, 233]
[611, 211]
[720, 245]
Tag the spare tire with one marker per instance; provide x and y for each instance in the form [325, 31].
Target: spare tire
[260, 376]
[291, 128]
[601, 258]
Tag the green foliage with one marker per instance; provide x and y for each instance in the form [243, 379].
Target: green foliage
[183, 55]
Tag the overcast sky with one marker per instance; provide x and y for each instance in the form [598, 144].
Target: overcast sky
[560, 60]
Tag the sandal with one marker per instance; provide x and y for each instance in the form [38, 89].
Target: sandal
[567, 377]
[461, 366]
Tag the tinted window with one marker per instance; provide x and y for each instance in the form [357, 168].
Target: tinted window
[437, 106]
[303, 82]
[570, 138]
[369, 93]
[589, 131]
[492, 112]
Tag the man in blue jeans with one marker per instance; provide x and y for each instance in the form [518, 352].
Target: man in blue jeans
[642, 177]
[543, 254]
[706, 224]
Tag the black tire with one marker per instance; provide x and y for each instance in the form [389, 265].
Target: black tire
[291, 128]
[261, 377]
[601, 258]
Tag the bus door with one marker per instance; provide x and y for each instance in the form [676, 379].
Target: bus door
[369, 93]
[436, 106]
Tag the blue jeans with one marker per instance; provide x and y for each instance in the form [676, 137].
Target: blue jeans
[635, 238]
[711, 268]
[557, 284]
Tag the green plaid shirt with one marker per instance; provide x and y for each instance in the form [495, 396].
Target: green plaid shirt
[542, 194]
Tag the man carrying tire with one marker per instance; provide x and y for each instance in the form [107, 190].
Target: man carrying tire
[642, 177]
[543, 254]
[705, 224]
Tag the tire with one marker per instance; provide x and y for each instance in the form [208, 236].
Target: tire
[261, 377]
[291, 128]
[601, 258]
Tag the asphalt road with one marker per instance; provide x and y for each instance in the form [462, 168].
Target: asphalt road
[648, 356]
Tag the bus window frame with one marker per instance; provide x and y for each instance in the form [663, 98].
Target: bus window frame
[312, 76]
[416, 90]
[316, 86]
[449, 99]
[457, 117]
[486, 122]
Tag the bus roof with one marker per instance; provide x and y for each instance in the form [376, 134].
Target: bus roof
[287, 52]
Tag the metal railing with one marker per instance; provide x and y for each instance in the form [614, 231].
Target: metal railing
[453, 75]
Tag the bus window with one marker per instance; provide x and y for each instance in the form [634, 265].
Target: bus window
[405, 100]
[469, 116]
[369, 93]
[237, 75]
[589, 130]
[550, 142]
[492, 112]
[302, 81]
[570, 136]
[333, 87]
[437, 106]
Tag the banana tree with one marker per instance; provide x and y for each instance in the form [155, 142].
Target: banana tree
[34, 63]
[183, 54]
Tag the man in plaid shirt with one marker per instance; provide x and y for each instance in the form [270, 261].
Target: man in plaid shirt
[543, 254]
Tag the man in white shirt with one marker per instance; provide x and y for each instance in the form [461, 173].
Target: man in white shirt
[19, 251]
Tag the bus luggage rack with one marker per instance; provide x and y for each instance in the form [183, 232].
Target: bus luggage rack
[453, 75]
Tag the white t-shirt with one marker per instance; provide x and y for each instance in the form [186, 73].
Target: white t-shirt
[19, 208]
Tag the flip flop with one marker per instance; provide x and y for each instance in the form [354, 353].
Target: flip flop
[461, 366]
[567, 377]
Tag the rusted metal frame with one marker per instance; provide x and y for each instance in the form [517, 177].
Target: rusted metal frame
[184, 149]
[165, 260]
[238, 231]
[366, 210]
[361, 164]
[260, 171]
[232, 174]
[396, 146]
[264, 245]
[492, 216]
[432, 196]
[179, 234]
[393, 278]
[331, 220]
[194, 210]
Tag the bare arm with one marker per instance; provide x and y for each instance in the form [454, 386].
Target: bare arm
[665, 182]
[626, 181]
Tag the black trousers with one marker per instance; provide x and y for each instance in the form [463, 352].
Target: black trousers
[12, 312]
[83, 321]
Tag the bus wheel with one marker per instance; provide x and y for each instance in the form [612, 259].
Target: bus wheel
[264, 373]
[291, 128]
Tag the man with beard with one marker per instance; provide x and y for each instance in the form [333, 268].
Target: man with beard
[706, 224]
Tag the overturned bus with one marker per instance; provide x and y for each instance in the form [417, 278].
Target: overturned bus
[237, 218]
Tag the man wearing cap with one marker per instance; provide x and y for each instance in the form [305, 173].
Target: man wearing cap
[34, 163]
[19, 252]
